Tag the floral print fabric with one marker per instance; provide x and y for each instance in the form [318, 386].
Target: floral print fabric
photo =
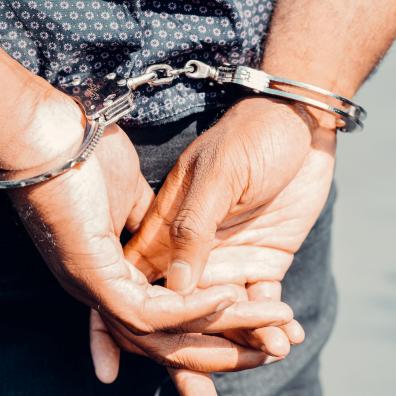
[68, 39]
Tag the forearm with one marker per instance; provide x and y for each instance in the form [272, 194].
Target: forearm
[333, 44]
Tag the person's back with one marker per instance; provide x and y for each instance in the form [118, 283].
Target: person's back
[88, 49]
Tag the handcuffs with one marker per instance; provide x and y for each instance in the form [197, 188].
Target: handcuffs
[114, 108]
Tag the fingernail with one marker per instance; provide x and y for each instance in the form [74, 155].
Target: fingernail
[179, 276]
[271, 359]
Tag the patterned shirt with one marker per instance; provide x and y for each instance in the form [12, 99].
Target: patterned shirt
[68, 40]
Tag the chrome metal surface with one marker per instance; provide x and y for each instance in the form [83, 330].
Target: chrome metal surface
[350, 113]
[250, 78]
[184, 70]
[201, 70]
[114, 108]
[134, 83]
[158, 69]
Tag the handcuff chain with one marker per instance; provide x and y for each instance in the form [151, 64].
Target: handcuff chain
[169, 73]
[115, 108]
[257, 80]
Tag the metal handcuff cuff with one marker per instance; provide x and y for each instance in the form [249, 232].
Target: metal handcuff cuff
[115, 108]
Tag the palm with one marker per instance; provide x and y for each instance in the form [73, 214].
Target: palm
[272, 233]
[263, 239]
[76, 218]
[252, 247]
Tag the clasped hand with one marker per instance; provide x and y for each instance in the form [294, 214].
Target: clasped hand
[228, 220]
[221, 220]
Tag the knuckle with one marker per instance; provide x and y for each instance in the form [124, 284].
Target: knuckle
[186, 226]
[182, 340]
[182, 165]
[203, 162]
[184, 361]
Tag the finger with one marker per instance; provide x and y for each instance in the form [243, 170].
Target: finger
[243, 338]
[148, 249]
[240, 315]
[121, 292]
[120, 204]
[105, 353]
[144, 310]
[141, 205]
[132, 348]
[192, 383]
[197, 352]
[271, 340]
[272, 290]
[140, 262]
[175, 312]
[294, 332]
[193, 226]
[275, 341]
[243, 315]
[264, 290]
[244, 264]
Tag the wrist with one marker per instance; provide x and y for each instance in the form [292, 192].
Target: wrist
[45, 127]
[320, 77]
[270, 110]
[327, 118]
[38, 122]
[290, 124]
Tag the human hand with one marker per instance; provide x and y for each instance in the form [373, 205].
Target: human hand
[76, 219]
[274, 341]
[264, 239]
[105, 350]
[194, 351]
[265, 141]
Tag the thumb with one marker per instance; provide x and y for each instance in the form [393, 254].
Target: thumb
[192, 233]
[105, 353]
[192, 383]
[145, 197]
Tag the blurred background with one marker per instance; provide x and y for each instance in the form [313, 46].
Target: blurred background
[360, 356]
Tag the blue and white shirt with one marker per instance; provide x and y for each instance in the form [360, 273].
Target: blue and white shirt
[85, 40]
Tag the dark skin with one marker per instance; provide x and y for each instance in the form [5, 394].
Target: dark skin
[76, 220]
[230, 179]
[79, 235]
